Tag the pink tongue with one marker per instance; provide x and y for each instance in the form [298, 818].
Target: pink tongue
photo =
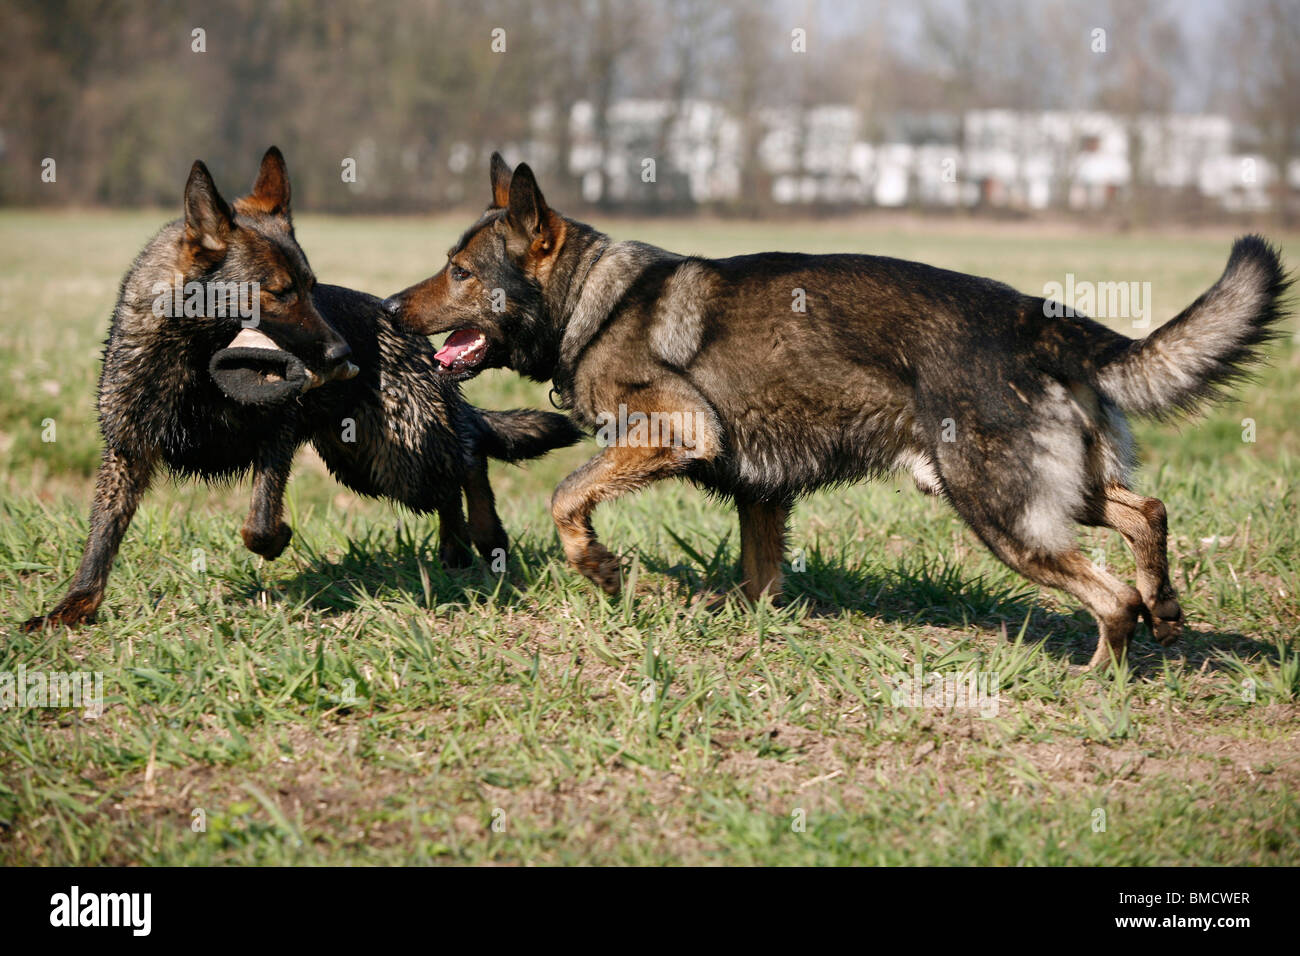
[456, 343]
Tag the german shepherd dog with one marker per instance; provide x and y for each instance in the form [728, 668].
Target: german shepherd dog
[208, 397]
[1015, 416]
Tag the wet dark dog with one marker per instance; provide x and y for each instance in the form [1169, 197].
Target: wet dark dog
[190, 385]
[764, 377]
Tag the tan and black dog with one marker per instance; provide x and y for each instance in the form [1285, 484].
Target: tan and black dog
[768, 376]
[203, 393]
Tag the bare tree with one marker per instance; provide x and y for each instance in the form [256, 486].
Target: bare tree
[1144, 50]
[1263, 50]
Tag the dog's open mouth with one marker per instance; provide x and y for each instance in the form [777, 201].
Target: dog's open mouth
[464, 350]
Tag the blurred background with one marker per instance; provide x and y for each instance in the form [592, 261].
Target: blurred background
[1132, 112]
[1123, 143]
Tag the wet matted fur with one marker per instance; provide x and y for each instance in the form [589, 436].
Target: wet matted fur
[1014, 416]
[391, 430]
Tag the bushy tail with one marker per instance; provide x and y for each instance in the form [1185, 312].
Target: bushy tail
[1209, 345]
[523, 433]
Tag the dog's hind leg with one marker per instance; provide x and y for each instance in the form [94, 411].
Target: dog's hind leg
[485, 528]
[264, 531]
[1024, 490]
[121, 483]
[762, 545]
[1114, 604]
[1143, 524]
[1028, 519]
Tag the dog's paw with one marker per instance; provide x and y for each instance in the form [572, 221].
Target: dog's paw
[455, 554]
[71, 611]
[1113, 639]
[1102, 658]
[269, 545]
[493, 545]
[602, 567]
[1166, 622]
[1164, 618]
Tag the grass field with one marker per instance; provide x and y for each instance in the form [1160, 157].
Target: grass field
[353, 703]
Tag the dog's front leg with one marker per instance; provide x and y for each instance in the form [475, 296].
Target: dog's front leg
[264, 531]
[762, 545]
[615, 471]
[453, 535]
[682, 429]
[122, 481]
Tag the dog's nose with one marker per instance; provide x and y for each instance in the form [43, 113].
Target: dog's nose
[337, 353]
[393, 305]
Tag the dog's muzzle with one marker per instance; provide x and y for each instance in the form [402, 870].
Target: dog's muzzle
[253, 370]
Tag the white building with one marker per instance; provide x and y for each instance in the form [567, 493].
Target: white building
[691, 153]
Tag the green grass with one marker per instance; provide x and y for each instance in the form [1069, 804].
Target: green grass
[354, 703]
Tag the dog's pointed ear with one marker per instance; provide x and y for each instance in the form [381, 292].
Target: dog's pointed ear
[271, 191]
[526, 210]
[500, 182]
[208, 220]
